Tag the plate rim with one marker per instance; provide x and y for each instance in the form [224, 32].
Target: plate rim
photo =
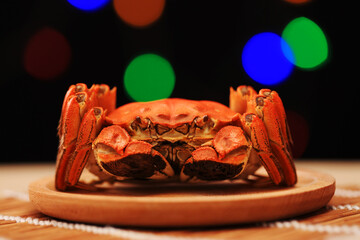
[321, 188]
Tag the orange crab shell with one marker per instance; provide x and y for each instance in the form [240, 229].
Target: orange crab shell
[173, 113]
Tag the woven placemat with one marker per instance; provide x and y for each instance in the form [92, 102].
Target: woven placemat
[340, 219]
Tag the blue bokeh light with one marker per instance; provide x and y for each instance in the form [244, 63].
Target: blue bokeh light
[264, 59]
[88, 5]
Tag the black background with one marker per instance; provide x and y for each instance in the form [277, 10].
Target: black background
[203, 41]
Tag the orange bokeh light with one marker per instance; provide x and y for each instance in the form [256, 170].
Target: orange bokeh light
[139, 13]
[297, 1]
[47, 54]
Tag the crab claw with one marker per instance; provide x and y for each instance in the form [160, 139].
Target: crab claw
[124, 158]
[225, 160]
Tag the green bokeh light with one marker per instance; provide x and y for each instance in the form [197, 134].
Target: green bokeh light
[149, 77]
[307, 42]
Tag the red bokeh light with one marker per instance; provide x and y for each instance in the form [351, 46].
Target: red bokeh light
[299, 129]
[297, 1]
[47, 54]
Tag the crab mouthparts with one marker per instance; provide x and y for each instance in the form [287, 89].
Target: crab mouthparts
[175, 153]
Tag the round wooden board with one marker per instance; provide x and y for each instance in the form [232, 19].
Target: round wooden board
[185, 205]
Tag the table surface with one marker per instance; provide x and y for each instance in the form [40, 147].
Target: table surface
[340, 220]
[18, 176]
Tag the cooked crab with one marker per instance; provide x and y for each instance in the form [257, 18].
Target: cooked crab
[172, 138]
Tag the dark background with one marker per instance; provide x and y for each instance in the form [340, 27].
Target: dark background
[203, 41]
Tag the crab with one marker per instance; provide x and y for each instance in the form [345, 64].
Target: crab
[172, 138]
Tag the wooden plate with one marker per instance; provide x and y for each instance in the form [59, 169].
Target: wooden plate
[170, 205]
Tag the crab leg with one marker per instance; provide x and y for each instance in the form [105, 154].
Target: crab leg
[89, 129]
[106, 97]
[70, 123]
[255, 128]
[239, 99]
[77, 102]
[267, 111]
[276, 100]
[73, 89]
[268, 107]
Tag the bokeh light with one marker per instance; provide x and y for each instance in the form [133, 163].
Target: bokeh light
[139, 13]
[297, 1]
[149, 77]
[47, 54]
[88, 5]
[307, 42]
[300, 132]
[264, 61]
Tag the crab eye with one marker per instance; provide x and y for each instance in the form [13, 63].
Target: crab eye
[160, 129]
[184, 129]
[134, 126]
